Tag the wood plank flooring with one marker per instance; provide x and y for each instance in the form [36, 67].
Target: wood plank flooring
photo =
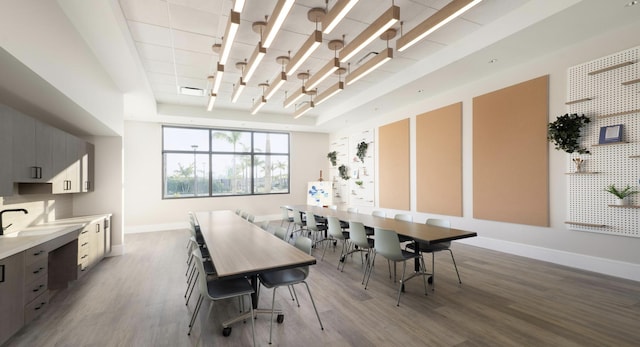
[505, 300]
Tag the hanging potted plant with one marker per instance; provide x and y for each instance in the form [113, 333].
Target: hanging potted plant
[332, 156]
[362, 150]
[344, 172]
[621, 194]
[564, 132]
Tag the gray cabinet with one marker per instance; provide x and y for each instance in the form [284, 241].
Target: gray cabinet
[93, 242]
[11, 295]
[87, 177]
[32, 150]
[66, 163]
[6, 152]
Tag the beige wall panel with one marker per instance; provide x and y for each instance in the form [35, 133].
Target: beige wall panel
[394, 165]
[510, 154]
[439, 161]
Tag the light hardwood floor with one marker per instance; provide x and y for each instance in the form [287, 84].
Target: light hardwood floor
[137, 300]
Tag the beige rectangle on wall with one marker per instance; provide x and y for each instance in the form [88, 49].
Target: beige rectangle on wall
[510, 154]
[439, 161]
[393, 155]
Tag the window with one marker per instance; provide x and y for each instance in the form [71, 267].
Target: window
[199, 162]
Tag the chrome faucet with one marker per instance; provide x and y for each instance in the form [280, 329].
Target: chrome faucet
[2, 228]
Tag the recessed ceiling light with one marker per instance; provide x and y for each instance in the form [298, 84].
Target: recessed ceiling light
[494, 60]
[629, 4]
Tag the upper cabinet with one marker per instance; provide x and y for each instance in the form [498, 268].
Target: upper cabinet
[6, 152]
[34, 152]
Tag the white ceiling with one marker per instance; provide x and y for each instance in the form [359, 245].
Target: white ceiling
[149, 47]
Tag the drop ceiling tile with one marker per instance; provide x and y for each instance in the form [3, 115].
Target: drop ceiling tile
[151, 34]
[146, 11]
[196, 21]
[192, 42]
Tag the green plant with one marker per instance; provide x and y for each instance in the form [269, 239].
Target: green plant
[332, 156]
[564, 132]
[344, 172]
[620, 193]
[358, 182]
[362, 150]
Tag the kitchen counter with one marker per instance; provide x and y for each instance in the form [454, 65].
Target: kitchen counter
[18, 241]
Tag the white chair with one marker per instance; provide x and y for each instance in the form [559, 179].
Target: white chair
[336, 233]
[387, 244]
[216, 289]
[289, 277]
[299, 225]
[380, 214]
[285, 217]
[358, 237]
[352, 209]
[437, 247]
[403, 217]
[316, 231]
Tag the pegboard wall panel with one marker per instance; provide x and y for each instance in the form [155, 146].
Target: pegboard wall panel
[603, 89]
[359, 189]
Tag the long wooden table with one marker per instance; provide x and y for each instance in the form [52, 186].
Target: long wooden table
[421, 232]
[239, 248]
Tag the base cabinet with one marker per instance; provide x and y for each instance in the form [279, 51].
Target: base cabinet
[11, 295]
[93, 242]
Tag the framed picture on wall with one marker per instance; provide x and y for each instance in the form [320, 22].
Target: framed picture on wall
[611, 133]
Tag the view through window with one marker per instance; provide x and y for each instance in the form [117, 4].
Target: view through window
[201, 162]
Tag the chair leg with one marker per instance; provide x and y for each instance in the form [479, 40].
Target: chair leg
[424, 271]
[404, 268]
[195, 313]
[343, 254]
[291, 293]
[367, 265]
[433, 271]
[292, 288]
[253, 328]
[370, 270]
[195, 281]
[273, 302]
[314, 304]
[455, 266]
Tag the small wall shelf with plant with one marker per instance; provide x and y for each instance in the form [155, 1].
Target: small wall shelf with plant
[344, 172]
[564, 132]
[577, 101]
[333, 157]
[623, 194]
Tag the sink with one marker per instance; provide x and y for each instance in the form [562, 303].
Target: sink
[42, 230]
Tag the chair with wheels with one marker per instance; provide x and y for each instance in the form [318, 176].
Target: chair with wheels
[437, 247]
[289, 277]
[387, 245]
[217, 289]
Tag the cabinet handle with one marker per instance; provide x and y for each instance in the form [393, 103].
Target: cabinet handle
[84, 244]
[37, 271]
[84, 231]
[36, 172]
[38, 253]
[38, 289]
[97, 228]
[2, 273]
[40, 306]
[87, 185]
[39, 172]
[84, 256]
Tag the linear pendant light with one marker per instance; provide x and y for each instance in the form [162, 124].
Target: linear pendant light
[238, 6]
[275, 85]
[258, 105]
[329, 92]
[336, 14]
[302, 110]
[212, 100]
[384, 22]
[452, 10]
[313, 42]
[255, 60]
[218, 80]
[237, 90]
[291, 99]
[280, 13]
[372, 64]
[326, 71]
[229, 35]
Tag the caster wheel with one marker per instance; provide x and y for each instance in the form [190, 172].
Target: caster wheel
[342, 259]
[280, 319]
[430, 280]
[402, 288]
[226, 331]
[335, 243]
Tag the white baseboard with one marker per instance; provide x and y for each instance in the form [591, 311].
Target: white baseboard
[116, 250]
[155, 227]
[579, 261]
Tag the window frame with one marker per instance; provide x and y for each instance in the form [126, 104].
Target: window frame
[211, 152]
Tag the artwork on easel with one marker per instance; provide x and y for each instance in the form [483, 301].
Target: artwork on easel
[319, 193]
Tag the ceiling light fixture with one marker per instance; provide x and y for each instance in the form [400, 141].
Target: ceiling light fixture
[261, 101]
[238, 5]
[452, 10]
[300, 92]
[329, 92]
[212, 100]
[280, 13]
[229, 35]
[336, 14]
[310, 45]
[375, 62]
[384, 22]
[329, 68]
[257, 55]
[279, 80]
[238, 87]
[304, 109]
[218, 79]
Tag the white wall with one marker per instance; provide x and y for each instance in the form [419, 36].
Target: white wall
[107, 196]
[614, 255]
[147, 211]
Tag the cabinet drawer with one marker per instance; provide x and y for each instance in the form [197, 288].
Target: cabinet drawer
[35, 270]
[35, 254]
[36, 307]
[83, 267]
[35, 289]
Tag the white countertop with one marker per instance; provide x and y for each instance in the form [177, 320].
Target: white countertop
[18, 241]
